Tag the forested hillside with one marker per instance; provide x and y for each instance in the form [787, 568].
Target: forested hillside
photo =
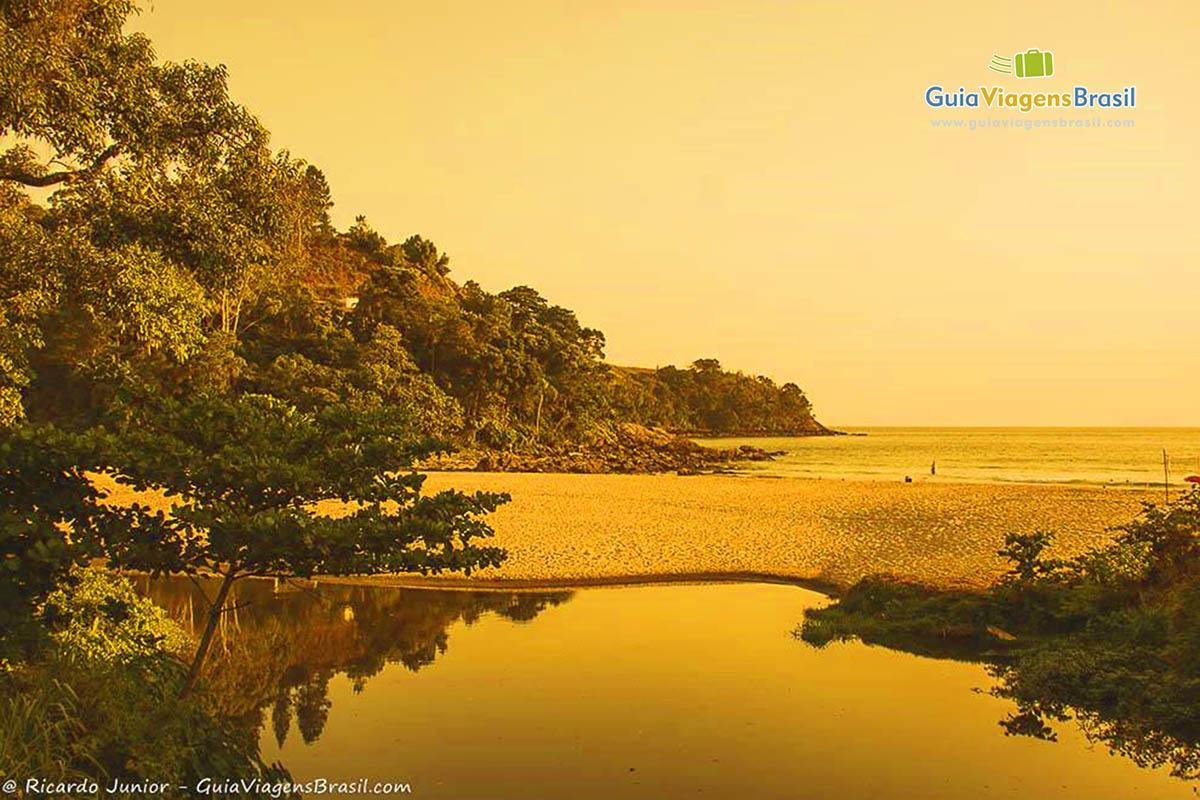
[105, 299]
[504, 370]
[179, 253]
[179, 315]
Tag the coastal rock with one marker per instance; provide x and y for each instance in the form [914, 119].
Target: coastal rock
[631, 448]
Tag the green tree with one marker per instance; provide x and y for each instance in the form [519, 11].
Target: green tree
[1170, 533]
[78, 95]
[424, 254]
[250, 472]
[51, 521]
[28, 291]
[1024, 552]
[170, 216]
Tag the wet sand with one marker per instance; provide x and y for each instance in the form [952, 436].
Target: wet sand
[582, 529]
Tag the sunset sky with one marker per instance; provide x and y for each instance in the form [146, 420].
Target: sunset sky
[761, 183]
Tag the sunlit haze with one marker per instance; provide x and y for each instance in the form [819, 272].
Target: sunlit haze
[761, 183]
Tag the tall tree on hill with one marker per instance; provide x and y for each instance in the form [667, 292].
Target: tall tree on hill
[425, 256]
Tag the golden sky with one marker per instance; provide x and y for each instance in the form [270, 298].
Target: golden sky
[761, 182]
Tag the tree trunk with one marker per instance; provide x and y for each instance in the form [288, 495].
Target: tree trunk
[214, 616]
[537, 424]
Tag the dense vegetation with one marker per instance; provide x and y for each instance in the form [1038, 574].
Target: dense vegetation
[178, 311]
[182, 254]
[1111, 638]
[100, 702]
[705, 399]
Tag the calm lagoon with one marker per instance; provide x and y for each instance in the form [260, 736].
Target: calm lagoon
[629, 692]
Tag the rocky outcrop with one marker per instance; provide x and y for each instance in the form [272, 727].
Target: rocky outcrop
[630, 448]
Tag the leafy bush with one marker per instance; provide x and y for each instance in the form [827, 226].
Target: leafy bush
[103, 720]
[103, 619]
[1171, 533]
[889, 612]
[52, 520]
[1024, 552]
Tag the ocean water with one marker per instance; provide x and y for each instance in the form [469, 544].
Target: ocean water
[1095, 456]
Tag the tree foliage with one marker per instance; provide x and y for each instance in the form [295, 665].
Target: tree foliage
[249, 472]
[705, 399]
[177, 311]
[78, 93]
[52, 520]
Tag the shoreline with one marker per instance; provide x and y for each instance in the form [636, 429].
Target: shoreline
[434, 583]
[1148, 487]
[707, 436]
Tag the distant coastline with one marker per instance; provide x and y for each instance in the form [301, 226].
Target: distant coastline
[1112, 457]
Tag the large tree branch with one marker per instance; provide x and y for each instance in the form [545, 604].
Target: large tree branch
[52, 178]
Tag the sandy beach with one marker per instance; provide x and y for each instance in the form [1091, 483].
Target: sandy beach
[564, 530]
[599, 528]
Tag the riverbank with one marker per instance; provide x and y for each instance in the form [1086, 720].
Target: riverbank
[563, 530]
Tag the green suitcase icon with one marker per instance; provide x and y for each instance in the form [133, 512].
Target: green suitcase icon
[1035, 64]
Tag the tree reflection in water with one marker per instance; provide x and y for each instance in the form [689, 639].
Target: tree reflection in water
[281, 644]
[1116, 697]
[1152, 721]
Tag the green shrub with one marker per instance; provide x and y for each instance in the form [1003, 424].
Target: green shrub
[1171, 533]
[102, 619]
[885, 611]
[1024, 553]
[103, 701]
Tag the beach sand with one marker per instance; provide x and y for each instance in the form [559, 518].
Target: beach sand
[596, 528]
[566, 530]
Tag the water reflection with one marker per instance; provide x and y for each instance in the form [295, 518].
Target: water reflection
[1149, 717]
[1121, 717]
[638, 693]
[282, 642]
